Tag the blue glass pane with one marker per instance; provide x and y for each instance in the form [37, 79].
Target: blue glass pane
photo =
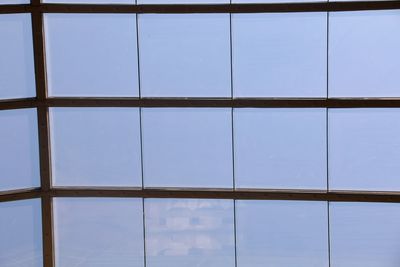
[183, 1]
[364, 54]
[90, 1]
[185, 55]
[17, 75]
[282, 233]
[187, 147]
[365, 234]
[21, 234]
[195, 232]
[364, 149]
[19, 149]
[91, 54]
[96, 146]
[98, 232]
[280, 148]
[279, 54]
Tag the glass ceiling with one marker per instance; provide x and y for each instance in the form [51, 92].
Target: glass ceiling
[208, 134]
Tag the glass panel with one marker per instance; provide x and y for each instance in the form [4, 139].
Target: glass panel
[96, 146]
[187, 147]
[91, 1]
[19, 153]
[189, 232]
[183, 2]
[279, 54]
[21, 233]
[185, 55]
[280, 148]
[364, 234]
[91, 54]
[364, 149]
[98, 232]
[13, 2]
[17, 76]
[282, 233]
[274, 1]
[364, 54]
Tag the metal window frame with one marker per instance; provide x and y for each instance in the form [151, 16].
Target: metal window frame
[42, 103]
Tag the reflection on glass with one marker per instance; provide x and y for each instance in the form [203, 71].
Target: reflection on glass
[17, 77]
[282, 233]
[91, 54]
[19, 149]
[184, 55]
[187, 147]
[364, 149]
[279, 54]
[21, 233]
[365, 234]
[91, 1]
[96, 146]
[98, 232]
[189, 232]
[280, 148]
[364, 54]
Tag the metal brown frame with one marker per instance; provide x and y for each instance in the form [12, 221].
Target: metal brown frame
[42, 102]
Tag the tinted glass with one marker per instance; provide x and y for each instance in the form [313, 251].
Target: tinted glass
[21, 233]
[19, 149]
[96, 146]
[187, 147]
[363, 149]
[91, 54]
[17, 75]
[184, 55]
[282, 233]
[363, 54]
[195, 232]
[98, 232]
[280, 148]
[279, 54]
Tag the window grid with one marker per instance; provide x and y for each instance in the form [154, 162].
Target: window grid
[46, 192]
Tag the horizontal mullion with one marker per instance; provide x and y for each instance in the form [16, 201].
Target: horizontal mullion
[203, 8]
[20, 194]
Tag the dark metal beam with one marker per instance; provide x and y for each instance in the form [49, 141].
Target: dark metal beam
[203, 8]
[20, 194]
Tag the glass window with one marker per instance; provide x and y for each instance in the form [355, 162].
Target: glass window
[21, 233]
[91, 1]
[189, 232]
[13, 2]
[19, 149]
[187, 147]
[98, 232]
[185, 55]
[273, 1]
[17, 74]
[280, 148]
[364, 54]
[279, 54]
[91, 54]
[364, 149]
[183, 2]
[364, 234]
[281, 233]
[96, 146]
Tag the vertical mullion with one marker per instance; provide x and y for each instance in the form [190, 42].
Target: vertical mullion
[327, 136]
[43, 128]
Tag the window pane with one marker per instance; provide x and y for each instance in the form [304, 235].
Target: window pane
[364, 54]
[183, 2]
[96, 146]
[364, 234]
[282, 233]
[279, 54]
[91, 54]
[12, 2]
[19, 153]
[17, 76]
[364, 149]
[280, 148]
[187, 147]
[91, 1]
[184, 55]
[195, 232]
[21, 233]
[273, 1]
[98, 232]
